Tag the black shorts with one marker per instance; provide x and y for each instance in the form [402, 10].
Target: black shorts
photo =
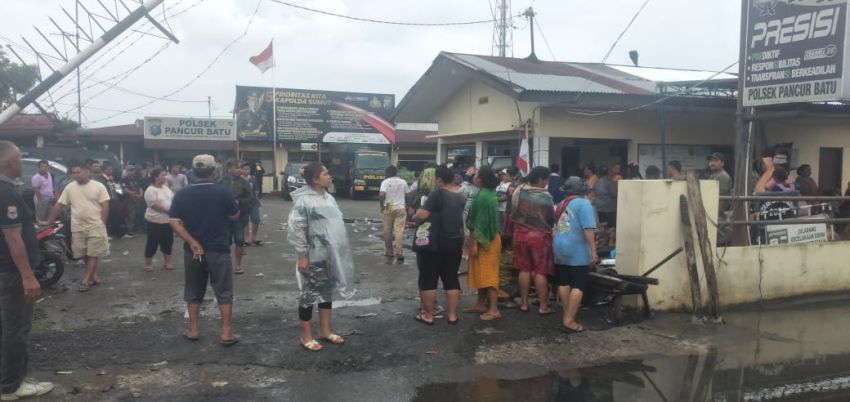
[573, 276]
[440, 266]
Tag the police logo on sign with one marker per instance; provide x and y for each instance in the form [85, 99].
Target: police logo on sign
[12, 212]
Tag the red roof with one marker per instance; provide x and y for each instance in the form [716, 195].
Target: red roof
[28, 124]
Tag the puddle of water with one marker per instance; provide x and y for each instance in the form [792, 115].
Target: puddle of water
[799, 353]
[689, 378]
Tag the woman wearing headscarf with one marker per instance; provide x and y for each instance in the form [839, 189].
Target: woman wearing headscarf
[485, 245]
[532, 214]
[325, 264]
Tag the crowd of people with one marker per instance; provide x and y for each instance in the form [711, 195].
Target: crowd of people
[523, 236]
[211, 214]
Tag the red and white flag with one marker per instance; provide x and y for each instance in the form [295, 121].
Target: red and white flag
[522, 162]
[264, 60]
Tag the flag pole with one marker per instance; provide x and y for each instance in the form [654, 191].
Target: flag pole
[274, 123]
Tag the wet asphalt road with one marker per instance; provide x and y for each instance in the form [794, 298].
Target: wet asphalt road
[123, 341]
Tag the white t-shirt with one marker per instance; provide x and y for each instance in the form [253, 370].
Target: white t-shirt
[395, 189]
[502, 189]
[159, 196]
[84, 201]
[176, 182]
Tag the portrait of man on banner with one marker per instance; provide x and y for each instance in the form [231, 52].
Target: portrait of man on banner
[254, 114]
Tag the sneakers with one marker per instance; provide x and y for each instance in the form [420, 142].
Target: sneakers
[128, 236]
[28, 389]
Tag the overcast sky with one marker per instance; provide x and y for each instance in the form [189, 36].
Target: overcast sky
[323, 52]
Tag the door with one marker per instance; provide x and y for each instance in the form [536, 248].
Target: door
[829, 170]
[571, 162]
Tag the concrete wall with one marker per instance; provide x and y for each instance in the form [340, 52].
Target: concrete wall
[809, 135]
[464, 114]
[649, 229]
[641, 127]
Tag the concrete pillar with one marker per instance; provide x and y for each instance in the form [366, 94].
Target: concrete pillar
[540, 151]
[39, 141]
[439, 158]
[479, 153]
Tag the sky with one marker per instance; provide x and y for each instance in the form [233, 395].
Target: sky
[129, 78]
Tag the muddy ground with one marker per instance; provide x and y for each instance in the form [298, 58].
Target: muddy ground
[123, 339]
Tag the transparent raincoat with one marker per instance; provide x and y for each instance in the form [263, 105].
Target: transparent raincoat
[316, 230]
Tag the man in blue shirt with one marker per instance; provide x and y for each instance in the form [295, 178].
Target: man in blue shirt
[574, 249]
[201, 215]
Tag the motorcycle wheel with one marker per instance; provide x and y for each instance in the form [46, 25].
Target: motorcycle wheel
[49, 270]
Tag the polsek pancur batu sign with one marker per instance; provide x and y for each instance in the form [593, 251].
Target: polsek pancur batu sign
[795, 51]
[166, 128]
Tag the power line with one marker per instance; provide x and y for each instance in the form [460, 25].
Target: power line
[657, 101]
[144, 112]
[196, 77]
[386, 22]
[614, 45]
[539, 28]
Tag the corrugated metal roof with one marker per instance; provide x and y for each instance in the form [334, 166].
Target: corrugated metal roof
[529, 75]
[672, 75]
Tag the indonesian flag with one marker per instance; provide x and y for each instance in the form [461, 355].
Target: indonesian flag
[522, 161]
[264, 60]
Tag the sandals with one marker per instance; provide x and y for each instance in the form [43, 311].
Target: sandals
[312, 346]
[490, 316]
[239, 271]
[550, 312]
[422, 320]
[567, 330]
[453, 322]
[148, 268]
[84, 287]
[334, 339]
[191, 338]
[228, 342]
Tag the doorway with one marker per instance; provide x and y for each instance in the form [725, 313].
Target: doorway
[830, 166]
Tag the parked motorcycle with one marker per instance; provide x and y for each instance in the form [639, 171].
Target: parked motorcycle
[54, 252]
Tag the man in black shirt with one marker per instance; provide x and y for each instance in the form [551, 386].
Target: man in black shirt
[18, 287]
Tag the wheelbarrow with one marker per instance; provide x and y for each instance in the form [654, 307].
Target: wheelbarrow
[607, 287]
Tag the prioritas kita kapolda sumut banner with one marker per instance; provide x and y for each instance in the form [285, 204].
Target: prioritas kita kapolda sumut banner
[795, 51]
[303, 115]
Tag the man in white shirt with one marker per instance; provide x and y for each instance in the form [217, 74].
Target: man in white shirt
[176, 180]
[89, 202]
[392, 196]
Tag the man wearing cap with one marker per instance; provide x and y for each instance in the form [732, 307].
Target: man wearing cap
[201, 215]
[716, 164]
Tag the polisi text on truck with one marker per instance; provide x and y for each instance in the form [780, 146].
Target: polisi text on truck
[817, 24]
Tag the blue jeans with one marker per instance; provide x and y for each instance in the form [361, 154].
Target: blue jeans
[15, 324]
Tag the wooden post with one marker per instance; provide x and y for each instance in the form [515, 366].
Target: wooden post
[701, 224]
[693, 274]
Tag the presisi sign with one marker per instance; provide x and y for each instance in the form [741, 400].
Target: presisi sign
[795, 51]
[167, 128]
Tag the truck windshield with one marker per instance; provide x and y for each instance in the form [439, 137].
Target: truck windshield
[371, 161]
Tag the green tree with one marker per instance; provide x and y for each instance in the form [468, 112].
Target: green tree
[15, 79]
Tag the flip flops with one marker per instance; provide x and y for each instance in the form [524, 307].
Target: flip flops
[567, 330]
[148, 268]
[191, 338]
[84, 288]
[312, 346]
[334, 339]
[228, 342]
[422, 320]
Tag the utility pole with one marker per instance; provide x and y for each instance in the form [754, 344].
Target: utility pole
[529, 13]
[743, 142]
[209, 106]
